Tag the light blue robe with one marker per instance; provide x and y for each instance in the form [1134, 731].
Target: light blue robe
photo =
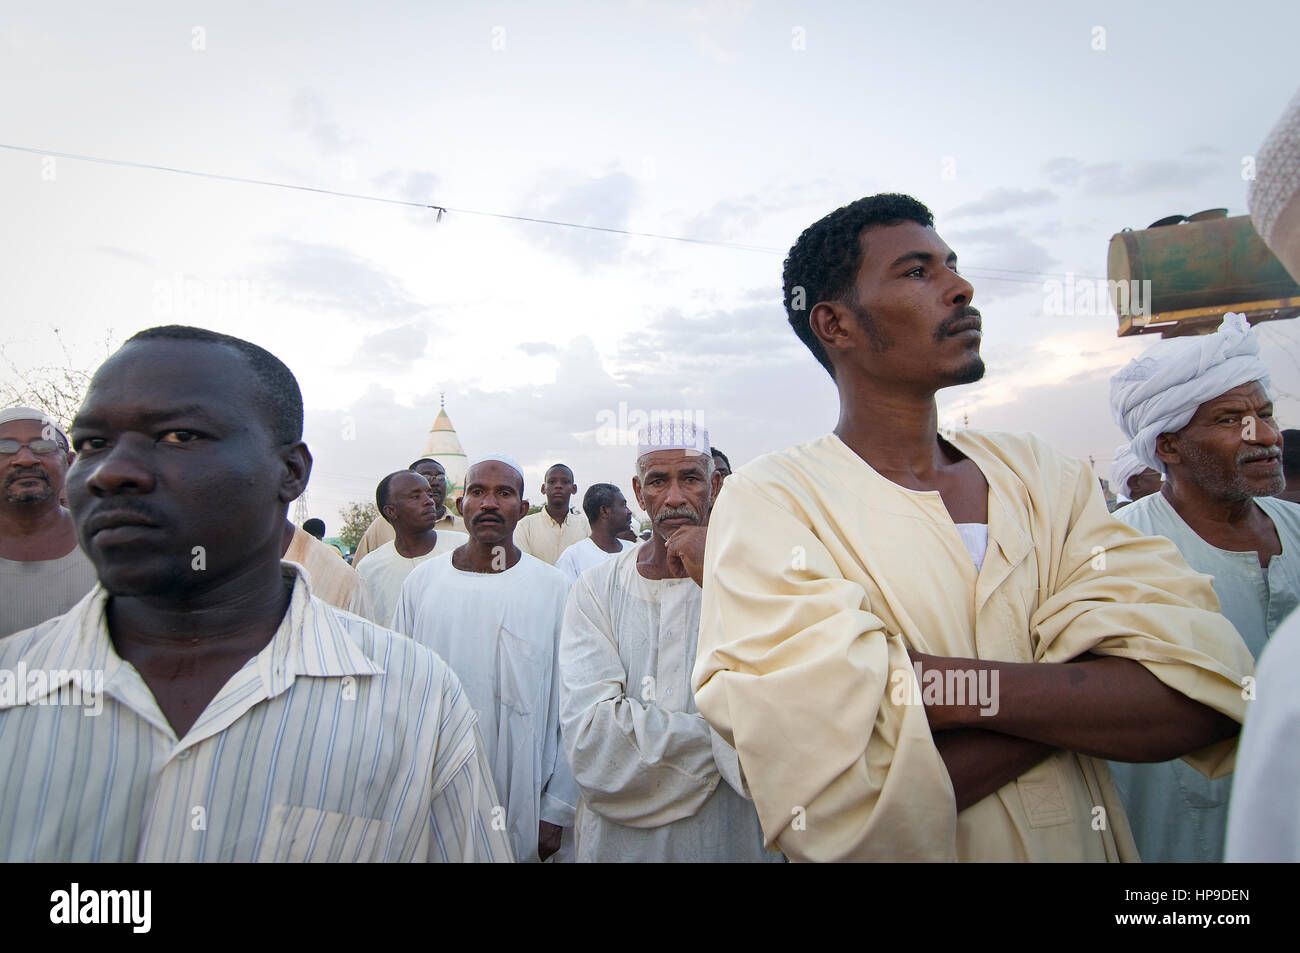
[1177, 814]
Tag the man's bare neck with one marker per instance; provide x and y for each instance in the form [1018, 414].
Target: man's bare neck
[558, 515]
[484, 558]
[46, 532]
[898, 438]
[652, 561]
[419, 543]
[1198, 509]
[605, 539]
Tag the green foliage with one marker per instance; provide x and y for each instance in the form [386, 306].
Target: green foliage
[357, 518]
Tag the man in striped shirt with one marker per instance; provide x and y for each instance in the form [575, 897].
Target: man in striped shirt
[200, 704]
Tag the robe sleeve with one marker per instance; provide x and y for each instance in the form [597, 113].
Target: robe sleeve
[1108, 589]
[797, 674]
[559, 789]
[636, 764]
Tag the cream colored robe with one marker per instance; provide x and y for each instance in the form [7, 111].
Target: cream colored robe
[332, 580]
[820, 574]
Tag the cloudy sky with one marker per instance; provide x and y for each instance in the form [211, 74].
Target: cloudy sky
[1034, 133]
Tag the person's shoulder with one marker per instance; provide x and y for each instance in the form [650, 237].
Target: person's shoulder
[541, 572]
[393, 654]
[1141, 514]
[376, 559]
[429, 570]
[1285, 516]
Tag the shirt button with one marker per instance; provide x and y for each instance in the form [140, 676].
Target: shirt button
[183, 755]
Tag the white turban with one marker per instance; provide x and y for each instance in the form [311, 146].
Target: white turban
[1160, 390]
[1125, 467]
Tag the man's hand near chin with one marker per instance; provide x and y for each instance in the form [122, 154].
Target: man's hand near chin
[686, 551]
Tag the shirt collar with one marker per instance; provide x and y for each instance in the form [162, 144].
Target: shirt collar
[311, 641]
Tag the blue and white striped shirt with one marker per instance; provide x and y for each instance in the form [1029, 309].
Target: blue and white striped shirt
[339, 741]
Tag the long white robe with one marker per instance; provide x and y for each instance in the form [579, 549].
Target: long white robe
[658, 784]
[499, 633]
[386, 569]
[820, 574]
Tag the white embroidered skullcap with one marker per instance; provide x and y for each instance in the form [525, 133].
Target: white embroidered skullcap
[1276, 187]
[674, 433]
[1125, 466]
[499, 458]
[1160, 389]
[10, 414]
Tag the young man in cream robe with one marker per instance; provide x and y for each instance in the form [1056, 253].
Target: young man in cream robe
[658, 784]
[887, 613]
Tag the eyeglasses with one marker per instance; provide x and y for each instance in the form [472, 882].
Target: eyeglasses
[40, 446]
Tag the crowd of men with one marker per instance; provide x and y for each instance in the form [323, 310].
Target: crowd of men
[883, 644]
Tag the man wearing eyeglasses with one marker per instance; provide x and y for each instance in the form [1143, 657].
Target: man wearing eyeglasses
[43, 573]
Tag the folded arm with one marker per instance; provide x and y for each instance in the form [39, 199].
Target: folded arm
[1104, 707]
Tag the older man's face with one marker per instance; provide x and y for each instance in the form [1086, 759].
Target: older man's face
[1232, 448]
[30, 477]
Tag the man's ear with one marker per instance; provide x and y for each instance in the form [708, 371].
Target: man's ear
[296, 460]
[523, 508]
[460, 510]
[835, 325]
[1167, 449]
[716, 484]
[636, 490]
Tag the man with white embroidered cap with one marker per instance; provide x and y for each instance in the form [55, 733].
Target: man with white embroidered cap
[493, 614]
[1198, 409]
[658, 784]
[43, 573]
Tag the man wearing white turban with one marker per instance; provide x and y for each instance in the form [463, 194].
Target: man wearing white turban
[1130, 478]
[1199, 410]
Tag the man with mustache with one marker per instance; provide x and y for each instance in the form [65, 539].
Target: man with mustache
[381, 531]
[1198, 409]
[409, 503]
[657, 782]
[42, 571]
[243, 719]
[557, 526]
[887, 610]
[493, 613]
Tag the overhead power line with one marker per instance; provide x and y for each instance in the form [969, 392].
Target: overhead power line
[442, 209]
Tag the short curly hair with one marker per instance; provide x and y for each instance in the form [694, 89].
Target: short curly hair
[824, 261]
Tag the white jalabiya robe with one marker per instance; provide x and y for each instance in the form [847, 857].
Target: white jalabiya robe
[658, 784]
[386, 569]
[499, 633]
[820, 575]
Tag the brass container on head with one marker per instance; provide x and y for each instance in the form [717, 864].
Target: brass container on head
[1199, 267]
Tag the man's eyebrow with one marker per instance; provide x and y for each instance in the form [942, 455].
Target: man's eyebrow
[152, 417]
[924, 257]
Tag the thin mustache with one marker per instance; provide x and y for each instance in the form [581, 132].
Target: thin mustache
[26, 475]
